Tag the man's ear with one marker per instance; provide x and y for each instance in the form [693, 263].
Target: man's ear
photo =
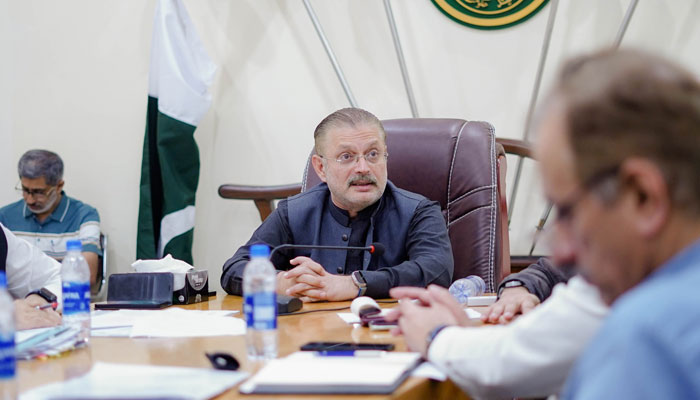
[652, 201]
[320, 169]
[59, 187]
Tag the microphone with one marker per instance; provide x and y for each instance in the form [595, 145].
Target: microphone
[375, 248]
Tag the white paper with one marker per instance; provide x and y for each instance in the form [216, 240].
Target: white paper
[124, 381]
[171, 322]
[472, 314]
[307, 368]
[430, 371]
[187, 323]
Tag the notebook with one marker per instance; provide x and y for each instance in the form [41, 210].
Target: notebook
[306, 372]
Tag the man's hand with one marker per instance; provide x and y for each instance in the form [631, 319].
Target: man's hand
[416, 320]
[27, 316]
[434, 295]
[513, 301]
[311, 282]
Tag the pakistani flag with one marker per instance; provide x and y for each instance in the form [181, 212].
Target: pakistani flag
[180, 75]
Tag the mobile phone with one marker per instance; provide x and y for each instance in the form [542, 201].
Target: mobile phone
[382, 325]
[346, 346]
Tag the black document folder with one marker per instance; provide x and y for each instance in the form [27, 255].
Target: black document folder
[139, 290]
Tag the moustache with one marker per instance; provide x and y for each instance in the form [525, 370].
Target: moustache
[362, 179]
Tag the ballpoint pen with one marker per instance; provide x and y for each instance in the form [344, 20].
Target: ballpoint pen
[350, 353]
[47, 305]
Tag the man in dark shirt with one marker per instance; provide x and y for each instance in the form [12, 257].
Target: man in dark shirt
[354, 206]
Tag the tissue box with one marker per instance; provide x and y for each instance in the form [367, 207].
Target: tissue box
[196, 288]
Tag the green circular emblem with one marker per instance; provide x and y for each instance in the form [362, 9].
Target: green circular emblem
[489, 14]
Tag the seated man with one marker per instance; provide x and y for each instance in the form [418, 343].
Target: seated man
[47, 217]
[33, 279]
[519, 293]
[621, 135]
[355, 206]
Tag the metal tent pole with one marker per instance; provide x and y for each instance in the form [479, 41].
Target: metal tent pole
[533, 99]
[329, 51]
[402, 60]
[616, 44]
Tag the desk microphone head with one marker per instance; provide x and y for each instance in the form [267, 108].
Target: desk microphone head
[364, 306]
[377, 249]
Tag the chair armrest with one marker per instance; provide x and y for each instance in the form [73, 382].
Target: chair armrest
[263, 196]
[516, 146]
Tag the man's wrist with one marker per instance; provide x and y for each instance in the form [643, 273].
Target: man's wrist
[513, 283]
[432, 335]
[359, 280]
[45, 294]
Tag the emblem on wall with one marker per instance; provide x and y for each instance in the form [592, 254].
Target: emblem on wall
[489, 14]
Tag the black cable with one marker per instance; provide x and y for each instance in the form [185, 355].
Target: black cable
[319, 310]
[334, 309]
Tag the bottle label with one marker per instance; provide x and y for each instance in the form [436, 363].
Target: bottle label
[7, 357]
[261, 310]
[76, 298]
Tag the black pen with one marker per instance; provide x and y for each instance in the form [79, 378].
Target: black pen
[47, 305]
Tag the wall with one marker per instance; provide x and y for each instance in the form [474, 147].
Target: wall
[73, 78]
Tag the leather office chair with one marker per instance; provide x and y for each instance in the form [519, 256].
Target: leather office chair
[455, 162]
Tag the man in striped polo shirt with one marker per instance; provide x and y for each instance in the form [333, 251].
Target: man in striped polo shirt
[47, 217]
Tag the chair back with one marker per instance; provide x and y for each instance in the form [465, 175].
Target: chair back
[453, 162]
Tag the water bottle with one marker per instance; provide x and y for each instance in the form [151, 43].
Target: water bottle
[260, 304]
[471, 286]
[7, 342]
[75, 275]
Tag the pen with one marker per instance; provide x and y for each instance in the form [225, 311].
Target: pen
[350, 353]
[47, 305]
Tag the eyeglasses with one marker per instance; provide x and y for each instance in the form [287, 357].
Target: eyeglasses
[565, 209]
[372, 157]
[36, 193]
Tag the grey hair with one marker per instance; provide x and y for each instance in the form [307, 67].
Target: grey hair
[37, 163]
[347, 117]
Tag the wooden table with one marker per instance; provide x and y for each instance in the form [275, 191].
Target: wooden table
[294, 331]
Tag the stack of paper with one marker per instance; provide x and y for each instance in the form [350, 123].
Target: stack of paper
[45, 341]
[123, 381]
[172, 322]
[307, 372]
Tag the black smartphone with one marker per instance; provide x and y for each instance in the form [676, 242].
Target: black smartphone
[346, 346]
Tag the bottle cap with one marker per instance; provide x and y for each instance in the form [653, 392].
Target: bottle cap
[3, 280]
[74, 245]
[259, 250]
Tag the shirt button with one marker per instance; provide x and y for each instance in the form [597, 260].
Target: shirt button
[339, 270]
[345, 238]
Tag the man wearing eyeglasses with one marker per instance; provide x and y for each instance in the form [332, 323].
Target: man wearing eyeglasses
[619, 152]
[354, 206]
[46, 217]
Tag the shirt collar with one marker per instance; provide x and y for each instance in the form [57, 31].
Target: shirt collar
[57, 215]
[342, 216]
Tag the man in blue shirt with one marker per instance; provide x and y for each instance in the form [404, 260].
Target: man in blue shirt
[46, 217]
[619, 152]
